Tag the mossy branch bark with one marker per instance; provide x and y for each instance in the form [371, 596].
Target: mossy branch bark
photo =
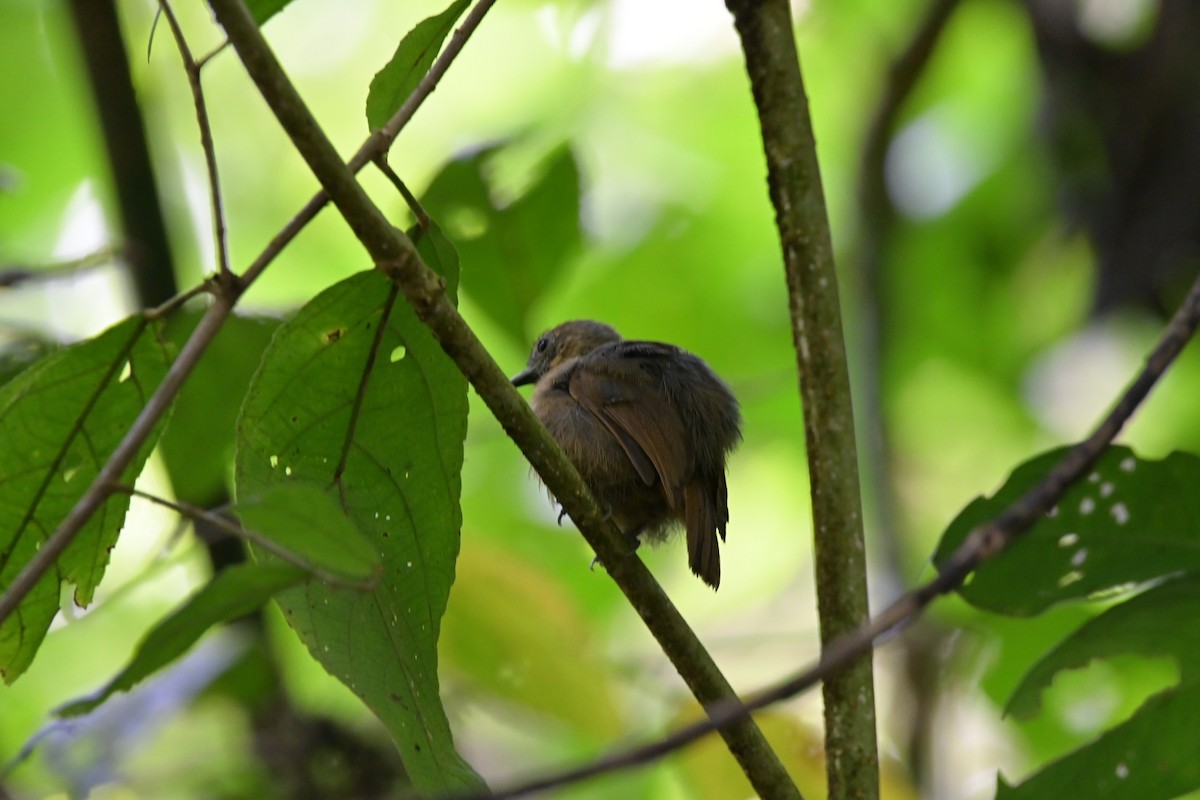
[794, 181]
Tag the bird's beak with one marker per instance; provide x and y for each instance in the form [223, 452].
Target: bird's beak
[525, 376]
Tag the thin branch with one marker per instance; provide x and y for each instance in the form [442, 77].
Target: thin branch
[168, 308]
[984, 542]
[794, 182]
[228, 291]
[414, 205]
[12, 275]
[197, 514]
[426, 292]
[192, 69]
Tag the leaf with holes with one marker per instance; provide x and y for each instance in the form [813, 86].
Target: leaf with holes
[60, 420]
[1154, 755]
[354, 394]
[1146, 625]
[233, 592]
[392, 85]
[1131, 520]
[516, 248]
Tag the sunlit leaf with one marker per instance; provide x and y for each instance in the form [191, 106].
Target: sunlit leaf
[1147, 625]
[390, 452]
[197, 444]
[392, 85]
[232, 593]
[1155, 755]
[515, 250]
[306, 526]
[1111, 531]
[60, 420]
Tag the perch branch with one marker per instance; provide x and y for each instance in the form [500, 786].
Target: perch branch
[425, 291]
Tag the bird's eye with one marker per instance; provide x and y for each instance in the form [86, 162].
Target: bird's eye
[542, 344]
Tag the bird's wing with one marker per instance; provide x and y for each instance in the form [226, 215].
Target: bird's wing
[618, 385]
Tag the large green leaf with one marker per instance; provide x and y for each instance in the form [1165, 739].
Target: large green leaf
[1132, 520]
[515, 249]
[1148, 625]
[197, 444]
[392, 85]
[60, 420]
[355, 395]
[1155, 755]
[233, 592]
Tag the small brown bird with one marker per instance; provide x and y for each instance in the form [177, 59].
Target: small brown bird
[647, 425]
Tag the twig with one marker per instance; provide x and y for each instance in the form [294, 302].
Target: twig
[984, 542]
[15, 274]
[228, 291]
[168, 308]
[414, 205]
[206, 140]
[425, 291]
[232, 528]
[794, 181]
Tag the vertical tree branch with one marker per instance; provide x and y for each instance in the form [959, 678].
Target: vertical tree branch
[425, 291]
[765, 29]
[147, 250]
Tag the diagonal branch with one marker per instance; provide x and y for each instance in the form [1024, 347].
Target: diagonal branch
[794, 181]
[425, 291]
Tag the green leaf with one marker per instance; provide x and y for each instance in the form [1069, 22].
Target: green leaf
[391, 452]
[22, 353]
[1130, 521]
[232, 593]
[197, 444]
[304, 526]
[392, 85]
[1147, 625]
[263, 10]
[60, 420]
[1154, 755]
[516, 249]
